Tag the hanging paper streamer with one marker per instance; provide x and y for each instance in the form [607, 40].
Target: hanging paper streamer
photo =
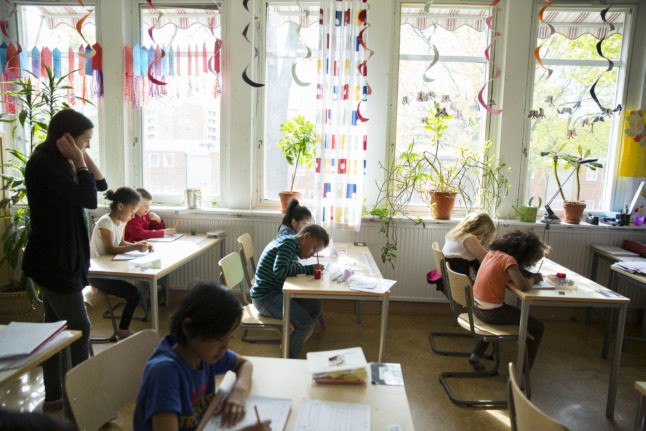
[157, 61]
[297, 80]
[496, 74]
[245, 75]
[363, 66]
[97, 70]
[79, 26]
[537, 50]
[436, 52]
[611, 64]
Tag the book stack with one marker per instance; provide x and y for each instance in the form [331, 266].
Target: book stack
[343, 366]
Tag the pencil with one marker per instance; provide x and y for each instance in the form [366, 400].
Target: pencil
[540, 266]
[317, 259]
[176, 223]
[257, 415]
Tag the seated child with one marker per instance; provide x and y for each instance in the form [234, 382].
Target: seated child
[466, 244]
[506, 261]
[178, 383]
[296, 217]
[107, 238]
[278, 261]
[146, 224]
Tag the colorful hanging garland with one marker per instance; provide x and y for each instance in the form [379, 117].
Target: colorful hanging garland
[537, 53]
[363, 66]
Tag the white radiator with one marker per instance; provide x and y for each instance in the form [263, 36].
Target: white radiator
[570, 248]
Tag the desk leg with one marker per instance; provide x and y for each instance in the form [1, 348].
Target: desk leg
[616, 362]
[522, 337]
[286, 311]
[384, 328]
[612, 282]
[154, 307]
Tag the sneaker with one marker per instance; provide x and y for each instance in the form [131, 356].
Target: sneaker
[124, 333]
[474, 360]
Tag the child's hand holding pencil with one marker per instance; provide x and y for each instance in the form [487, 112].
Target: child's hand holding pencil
[260, 425]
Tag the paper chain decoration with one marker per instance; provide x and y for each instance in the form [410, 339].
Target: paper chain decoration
[245, 75]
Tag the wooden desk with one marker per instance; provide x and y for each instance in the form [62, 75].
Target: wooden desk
[172, 254]
[290, 378]
[41, 355]
[641, 406]
[349, 256]
[584, 293]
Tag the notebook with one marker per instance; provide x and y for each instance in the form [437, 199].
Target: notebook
[317, 415]
[276, 409]
[24, 338]
[129, 255]
[166, 238]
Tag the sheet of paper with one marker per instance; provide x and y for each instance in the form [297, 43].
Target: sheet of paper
[316, 415]
[166, 238]
[543, 285]
[129, 255]
[636, 265]
[363, 283]
[386, 374]
[276, 409]
[11, 363]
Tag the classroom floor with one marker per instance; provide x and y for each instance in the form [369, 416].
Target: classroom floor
[569, 380]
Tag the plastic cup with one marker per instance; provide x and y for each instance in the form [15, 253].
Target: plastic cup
[317, 274]
[638, 220]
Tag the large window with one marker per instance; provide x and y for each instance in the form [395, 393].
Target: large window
[460, 36]
[290, 89]
[564, 111]
[54, 28]
[180, 126]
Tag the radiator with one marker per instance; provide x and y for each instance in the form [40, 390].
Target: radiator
[570, 246]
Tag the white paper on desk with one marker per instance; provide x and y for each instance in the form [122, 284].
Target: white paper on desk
[364, 283]
[23, 338]
[317, 415]
[129, 255]
[11, 363]
[636, 265]
[543, 285]
[166, 238]
[276, 409]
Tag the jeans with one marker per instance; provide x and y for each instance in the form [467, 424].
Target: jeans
[507, 315]
[122, 289]
[303, 315]
[70, 307]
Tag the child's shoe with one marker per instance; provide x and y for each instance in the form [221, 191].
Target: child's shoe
[124, 333]
[474, 360]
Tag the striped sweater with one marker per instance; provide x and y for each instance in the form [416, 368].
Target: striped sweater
[278, 261]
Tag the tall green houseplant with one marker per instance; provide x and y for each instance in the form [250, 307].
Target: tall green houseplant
[36, 105]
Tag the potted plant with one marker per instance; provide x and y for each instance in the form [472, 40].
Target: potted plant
[36, 105]
[527, 213]
[572, 209]
[298, 147]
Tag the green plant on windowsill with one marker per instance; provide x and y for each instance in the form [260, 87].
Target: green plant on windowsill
[36, 105]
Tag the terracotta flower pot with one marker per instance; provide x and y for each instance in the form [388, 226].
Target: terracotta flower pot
[442, 204]
[285, 197]
[573, 211]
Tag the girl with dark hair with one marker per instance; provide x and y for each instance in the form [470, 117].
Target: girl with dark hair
[107, 238]
[507, 260]
[296, 217]
[178, 383]
[62, 180]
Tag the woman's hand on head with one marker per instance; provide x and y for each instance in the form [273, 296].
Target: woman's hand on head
[66, 146]
[234, 407]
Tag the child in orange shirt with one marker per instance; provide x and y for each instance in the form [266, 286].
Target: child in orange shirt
[506, 261]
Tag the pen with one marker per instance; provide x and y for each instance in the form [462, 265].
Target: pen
[540, 266]
[257, 415]
[317, 258]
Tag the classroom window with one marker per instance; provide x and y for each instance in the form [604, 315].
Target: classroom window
[284, 98]
[53, 27]
[180, 112]
[567, 112]
[460, 35]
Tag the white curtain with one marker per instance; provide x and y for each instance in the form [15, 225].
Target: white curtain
[342, 116]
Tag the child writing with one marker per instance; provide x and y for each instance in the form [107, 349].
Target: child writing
[465, 248]
[296, 217]
[506, 261]
[178, 383]
[279, 261]
[465, 245]
[107, 238]
[146, 224]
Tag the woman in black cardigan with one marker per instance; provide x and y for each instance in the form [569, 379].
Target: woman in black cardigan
[61, 181]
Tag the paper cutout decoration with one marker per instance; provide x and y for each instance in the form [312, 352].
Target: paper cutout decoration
[497, 71]
[537, 50]
[633, 159]
[245, 75]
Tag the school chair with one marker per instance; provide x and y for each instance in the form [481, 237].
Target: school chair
[92, 298]
[232, 275]
[524, 415]
[99, 387]
[246, 251]
[461, 294]
[440, 264]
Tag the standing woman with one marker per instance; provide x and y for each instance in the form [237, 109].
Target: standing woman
[61, 181]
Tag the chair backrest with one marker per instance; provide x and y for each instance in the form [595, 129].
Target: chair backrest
[438, 256]
[524, 415]
[102, 385]
[231, 268]
[246, 248]
[457, 282]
